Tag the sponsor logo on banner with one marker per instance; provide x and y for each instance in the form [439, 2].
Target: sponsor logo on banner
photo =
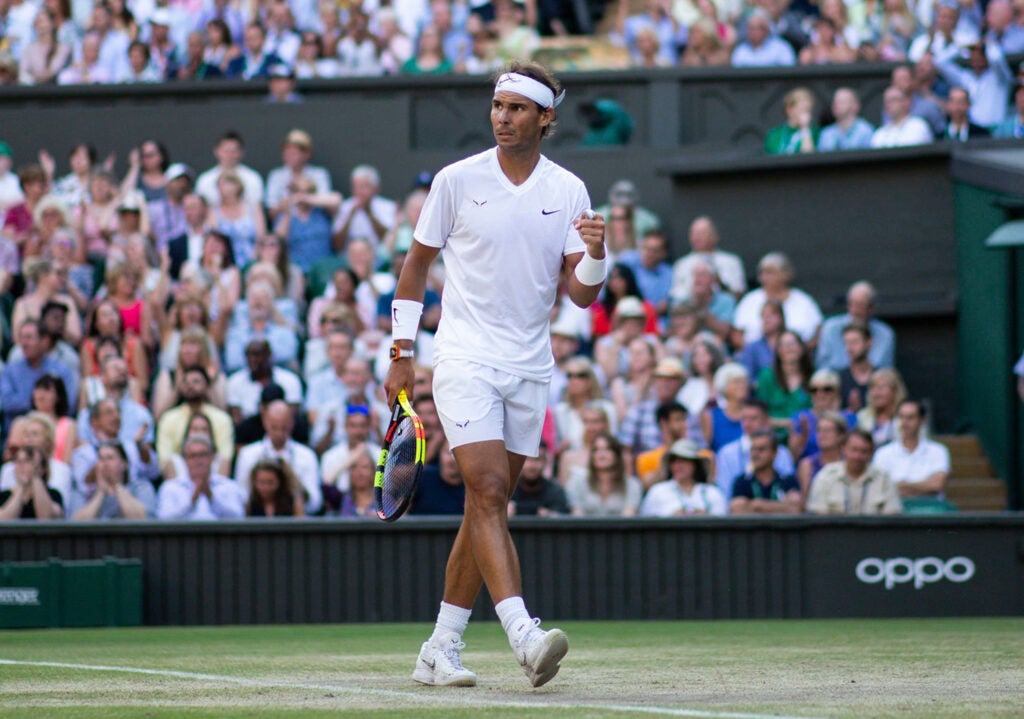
[919, 572]
[19, 596]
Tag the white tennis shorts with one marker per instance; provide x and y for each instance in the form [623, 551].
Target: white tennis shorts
[477, 403]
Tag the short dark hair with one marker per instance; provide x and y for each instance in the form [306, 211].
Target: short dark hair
[769, 433]
[921, 409]
[863, 434]
[755, 403]
[863, 329]
[198, 369]
[231, 135]
[667, 409]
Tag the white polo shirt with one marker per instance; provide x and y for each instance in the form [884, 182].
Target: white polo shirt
[904, 466]
[503, 248]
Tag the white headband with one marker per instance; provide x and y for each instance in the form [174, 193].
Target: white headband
[528, 87]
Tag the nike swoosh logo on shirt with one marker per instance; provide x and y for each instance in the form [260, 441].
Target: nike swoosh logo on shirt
[549, 212]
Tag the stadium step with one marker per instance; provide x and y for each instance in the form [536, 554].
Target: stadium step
[973, 485]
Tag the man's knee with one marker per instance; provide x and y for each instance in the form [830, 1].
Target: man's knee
[488, 491]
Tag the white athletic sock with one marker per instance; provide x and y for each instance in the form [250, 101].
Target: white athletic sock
[515, 620]
[450, 618]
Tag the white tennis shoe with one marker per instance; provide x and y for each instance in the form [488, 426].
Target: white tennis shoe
[540, 652]
[440, 663]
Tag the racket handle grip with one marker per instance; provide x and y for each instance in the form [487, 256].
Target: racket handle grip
[589, 214]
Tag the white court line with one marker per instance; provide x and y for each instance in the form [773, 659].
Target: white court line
[445, 698]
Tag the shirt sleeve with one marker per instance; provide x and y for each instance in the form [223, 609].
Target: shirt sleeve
[438, 215]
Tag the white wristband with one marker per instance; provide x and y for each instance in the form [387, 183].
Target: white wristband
[405, 319]
[589, 271]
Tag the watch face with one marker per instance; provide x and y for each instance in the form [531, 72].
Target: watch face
[394, 352]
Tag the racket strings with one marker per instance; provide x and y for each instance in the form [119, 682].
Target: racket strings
[400, 467]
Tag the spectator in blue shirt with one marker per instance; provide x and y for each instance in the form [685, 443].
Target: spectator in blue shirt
[849, 131]
[441, 488]
[653, 273]
[860, 310]
[763, 490]
[263, 322]
[19, 376]
[762, 48]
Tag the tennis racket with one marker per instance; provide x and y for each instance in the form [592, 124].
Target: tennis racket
[401, 461]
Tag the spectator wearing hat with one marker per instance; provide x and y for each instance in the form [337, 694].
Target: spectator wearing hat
[296, 153]
[163, 50]
[987, 78]
[673, 424]
[641, 430]
[281, 85]
[565, 344]
[167, 216]
[1013, 126]
[623, 193]
[854, 485]
[762, 490]
[703, 237]
[687, 490]
[630, 320]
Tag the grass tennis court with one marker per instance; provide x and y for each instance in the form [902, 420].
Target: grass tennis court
[929, 668]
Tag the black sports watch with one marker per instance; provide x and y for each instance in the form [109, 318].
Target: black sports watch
[398, 353]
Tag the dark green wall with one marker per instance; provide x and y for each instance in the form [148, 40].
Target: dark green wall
[990, 335]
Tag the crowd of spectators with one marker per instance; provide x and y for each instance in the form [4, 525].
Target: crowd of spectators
[190, 345]
[113, 41]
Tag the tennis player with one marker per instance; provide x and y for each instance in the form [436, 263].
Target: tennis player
[509, 221]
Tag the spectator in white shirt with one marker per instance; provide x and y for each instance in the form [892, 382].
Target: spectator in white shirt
[902, 129]
[202, 494]
[279, 421]
[918, 465]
